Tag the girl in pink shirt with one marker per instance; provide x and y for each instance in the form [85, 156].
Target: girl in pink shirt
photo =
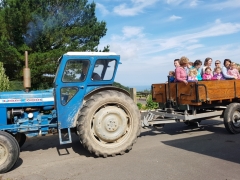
[208, 74]
[192, 75]
[180, 72]
[233, 71]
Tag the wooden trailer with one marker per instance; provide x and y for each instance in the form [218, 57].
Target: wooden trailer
[197, 101]
[197, 94]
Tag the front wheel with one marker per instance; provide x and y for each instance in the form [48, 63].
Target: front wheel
[232, 118]
[9, 151]
[109, 123]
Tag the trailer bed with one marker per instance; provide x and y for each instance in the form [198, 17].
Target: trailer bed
[216, 92]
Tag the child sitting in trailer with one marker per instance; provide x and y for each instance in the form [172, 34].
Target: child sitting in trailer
[218, 74]
[189, 66]
[197, 65]
[171, 76]
[207, 75]
[233, 70]
[192, 75]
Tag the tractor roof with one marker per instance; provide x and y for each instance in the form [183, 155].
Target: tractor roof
[91, 53]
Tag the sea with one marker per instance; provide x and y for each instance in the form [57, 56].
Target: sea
[142, 88]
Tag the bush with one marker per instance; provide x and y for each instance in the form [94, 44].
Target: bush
[140, 105]
[16, 85]
[150, 104]
[4, 81]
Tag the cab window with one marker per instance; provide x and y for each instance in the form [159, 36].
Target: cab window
[103, 69]
[75, 70]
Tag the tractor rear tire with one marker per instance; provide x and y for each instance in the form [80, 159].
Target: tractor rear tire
[232, 118]
[109, 123]
[9, 151]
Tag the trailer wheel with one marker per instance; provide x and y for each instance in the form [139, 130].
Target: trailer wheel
[9, 151]
[232, 118]
[21, 138]
[109, 123]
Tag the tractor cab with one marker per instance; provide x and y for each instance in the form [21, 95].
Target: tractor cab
[78, 74]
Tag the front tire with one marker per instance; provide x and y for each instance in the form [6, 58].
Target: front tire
[109, 123]
[9, 151]
[232, 118]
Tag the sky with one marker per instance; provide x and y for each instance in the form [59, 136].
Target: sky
[149, 34]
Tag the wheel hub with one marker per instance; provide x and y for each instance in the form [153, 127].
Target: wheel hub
[110, 123]
[236, 119]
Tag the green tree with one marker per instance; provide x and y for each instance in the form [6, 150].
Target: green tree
[121, 86]
[4, 82]
[47, 29]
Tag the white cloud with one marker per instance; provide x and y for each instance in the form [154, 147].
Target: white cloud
[218, 21]
[194, 46]
[137, 7]
[133, 42]
[225, 4]
[227, 51]
[128, 33]
[102, 9]
[194, 3]
[193, 41]
[191, 3]
[131, 31]
[174, 2]
[218, 29]
[174, 18]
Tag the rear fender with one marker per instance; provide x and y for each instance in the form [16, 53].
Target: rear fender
[104, 88]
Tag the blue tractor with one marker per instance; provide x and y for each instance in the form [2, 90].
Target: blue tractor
[83, 100]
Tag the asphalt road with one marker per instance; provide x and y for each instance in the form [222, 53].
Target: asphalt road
[176, 152]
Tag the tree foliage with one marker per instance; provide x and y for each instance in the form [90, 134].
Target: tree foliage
[47, 29]
[121, 86]
[4, 82]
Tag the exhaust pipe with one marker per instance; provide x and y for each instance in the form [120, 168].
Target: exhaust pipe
[26, 74]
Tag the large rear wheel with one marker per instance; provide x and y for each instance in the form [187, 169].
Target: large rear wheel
[9, 151]
[109, 123]
[232, 118]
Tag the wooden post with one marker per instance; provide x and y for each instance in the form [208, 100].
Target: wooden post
[133, 94]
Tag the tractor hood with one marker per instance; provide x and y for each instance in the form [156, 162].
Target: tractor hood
[26, 97]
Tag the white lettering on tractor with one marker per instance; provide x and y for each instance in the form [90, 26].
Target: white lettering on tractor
[34, 100]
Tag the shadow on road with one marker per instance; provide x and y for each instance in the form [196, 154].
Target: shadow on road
[220, 146]
[180, 128]
[52, 141]
[17, 164]
[219, 143]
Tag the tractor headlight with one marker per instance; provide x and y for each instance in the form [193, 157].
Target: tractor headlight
[30, 115]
